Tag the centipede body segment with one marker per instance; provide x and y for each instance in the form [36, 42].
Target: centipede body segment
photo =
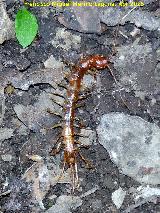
[98, 62]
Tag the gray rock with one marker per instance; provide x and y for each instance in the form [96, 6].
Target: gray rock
[6, 25]
[5, 133]
[146, 192]
[82, 19]
[6, 157]
[66, 40]
[51, 62]
[138, 17]
[136, 65]
[118, 197]
[65, 203]
[133, 145]
[35, 116]
[24, 80]
[50, 76]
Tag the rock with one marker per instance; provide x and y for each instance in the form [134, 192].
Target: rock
[146, 192]
[21, 63]
[51, 62]
[133, 145]
[20, 128]
[118, 197]
[138, 17]
[50, 76]
[6, 157]
[136, 65]
[89, 137]
[6, 25]
[5, 133]
[24, 80]
[36, 116]
[65, 203]
[66, 40]
[38, 175]
[82, 19]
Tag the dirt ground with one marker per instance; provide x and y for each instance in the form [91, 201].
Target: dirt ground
[28, 174]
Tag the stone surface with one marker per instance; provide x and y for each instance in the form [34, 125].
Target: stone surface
[118, 197]
[65, 203]
[6, 25]
[136, 66]
[138, 17]
[5, 133]
[82, 19]
[66, 40]
[36, 116]
[146, 192]
[51, 62]
[133, 145]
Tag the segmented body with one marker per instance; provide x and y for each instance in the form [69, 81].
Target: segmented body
[98, 62]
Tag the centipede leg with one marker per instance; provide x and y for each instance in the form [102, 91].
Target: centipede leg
[80, 135]
[59, 145]
[59, 95]
[82, 97]
[63, 86]
[74, 176]
[79, 105]
[56, 102]
[62, 171]
[82, 145]
[53, 113]
[86, 161]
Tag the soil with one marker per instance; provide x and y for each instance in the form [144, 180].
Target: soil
[104, 174]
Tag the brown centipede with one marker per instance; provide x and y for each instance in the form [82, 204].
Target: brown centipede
[97, 62]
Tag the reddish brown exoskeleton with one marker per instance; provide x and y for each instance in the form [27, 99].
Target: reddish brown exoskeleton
[98, 62]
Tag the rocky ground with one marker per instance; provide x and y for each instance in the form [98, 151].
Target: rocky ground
[120, 116]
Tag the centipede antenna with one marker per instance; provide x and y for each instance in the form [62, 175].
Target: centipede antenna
[114, 78]
[111, 72]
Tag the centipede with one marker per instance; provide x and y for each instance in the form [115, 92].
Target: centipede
[71, 151]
